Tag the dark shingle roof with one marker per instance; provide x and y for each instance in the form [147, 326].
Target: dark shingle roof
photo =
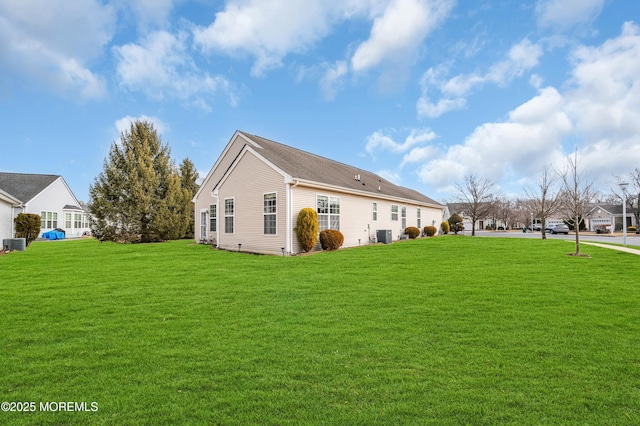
[24, 186]
[310, 167]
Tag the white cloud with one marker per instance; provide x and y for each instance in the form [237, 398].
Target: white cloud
[160, 67]
[605, 101]
[562, 15]
[39, 40]
[522, 57]
[378, 140]
[399, 31]
[149, 13]
[333, 79]
[268, 31]
[124, 124]
[599, 111]
[530, 138]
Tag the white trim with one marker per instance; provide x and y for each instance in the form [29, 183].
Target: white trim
[232, 216]
[264, 214]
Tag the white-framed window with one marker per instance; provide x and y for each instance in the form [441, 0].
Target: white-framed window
[270, 213]
[48, 220]
[374, 211]
[213, 217]
[203, 225]
[394, 212]
[418, 213]
[229, 215]
[328, 209]
[404, 217]
[67, 220]
[77, 220]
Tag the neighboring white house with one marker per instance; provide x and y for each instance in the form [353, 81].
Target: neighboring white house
[45, 195]
[7, 205]
[251, 198]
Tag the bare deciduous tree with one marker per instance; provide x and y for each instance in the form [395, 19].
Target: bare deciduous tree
[476, 197]
[544, 198]
[577, 193]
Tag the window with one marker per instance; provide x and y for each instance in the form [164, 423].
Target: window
[404, 217]
[269, 214]
[229, 212]
[48, 220]
[77, 220]
[394, 212]
[328, 209]
[374, 211]
[203, 225]
[419, 220]
[213, 217]
[67, 220]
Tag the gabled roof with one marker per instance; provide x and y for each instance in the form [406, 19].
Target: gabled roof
[24, 186]
[614, 209]
[4, 196]
[302, 165]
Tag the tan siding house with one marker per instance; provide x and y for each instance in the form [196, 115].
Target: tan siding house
[251, 198]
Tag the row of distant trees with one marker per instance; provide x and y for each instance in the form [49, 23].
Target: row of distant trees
[141, 195]
[568, 192]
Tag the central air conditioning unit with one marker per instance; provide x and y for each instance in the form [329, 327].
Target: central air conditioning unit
[384, 236]
[14, 244]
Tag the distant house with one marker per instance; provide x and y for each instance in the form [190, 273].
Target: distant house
[251, 198]
[602, 216]
[46, 195]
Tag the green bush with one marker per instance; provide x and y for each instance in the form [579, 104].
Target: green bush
[445, 227]
[307, 228]
[430, 231]
[412, 232]
[330, 239]
[455, 223]
[27, 226]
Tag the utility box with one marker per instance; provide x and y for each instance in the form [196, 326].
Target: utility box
[384, 236]
[14, 244]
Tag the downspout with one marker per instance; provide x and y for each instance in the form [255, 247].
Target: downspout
[289, 236]
[214, 194]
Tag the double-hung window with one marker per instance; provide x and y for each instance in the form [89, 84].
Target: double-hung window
[269, 213]
[374, 211]
[48, 220]
[213, 217]
[394, 212]
[77, 220]
[67, 220]
[404, 217]
[419, 219]
[328, 209]
[229, 215]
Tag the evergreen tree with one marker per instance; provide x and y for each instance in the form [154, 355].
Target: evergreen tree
[138, 196]
[188, 179]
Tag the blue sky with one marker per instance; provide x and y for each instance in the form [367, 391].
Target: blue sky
[422, 92]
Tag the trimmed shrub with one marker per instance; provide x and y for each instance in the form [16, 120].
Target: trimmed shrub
[455, 223]
[412, 232]
[307, 228]
[445, 227]
[27, 226]
[430, 231]
[330, 239]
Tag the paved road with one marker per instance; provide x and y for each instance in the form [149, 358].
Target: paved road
[632, 239]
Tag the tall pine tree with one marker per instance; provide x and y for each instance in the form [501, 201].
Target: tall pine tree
[188, 181]
[138, 197]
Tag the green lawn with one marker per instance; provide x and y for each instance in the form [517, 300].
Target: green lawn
[447, 330]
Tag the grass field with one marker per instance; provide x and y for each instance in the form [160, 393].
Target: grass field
[447, 330]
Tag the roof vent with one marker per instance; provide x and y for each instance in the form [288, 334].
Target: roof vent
[378, 188]
[357, 177]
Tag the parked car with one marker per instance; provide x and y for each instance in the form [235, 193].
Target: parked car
[559, 228]
[535, 227]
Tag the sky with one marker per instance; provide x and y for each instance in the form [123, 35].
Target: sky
[422, 92]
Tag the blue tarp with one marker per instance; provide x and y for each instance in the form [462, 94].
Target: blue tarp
[53, 235]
